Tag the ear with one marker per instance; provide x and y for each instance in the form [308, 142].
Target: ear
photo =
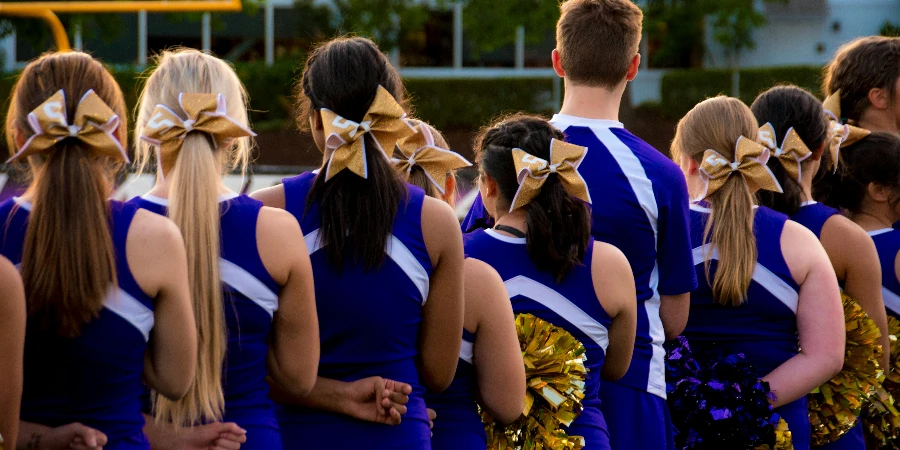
[315, 121]
[557, 63]
[878, 192]
[879, 98]
[633, 68]
[450, 190]
[489, 185]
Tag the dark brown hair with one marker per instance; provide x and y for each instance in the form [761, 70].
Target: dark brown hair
[343, 75]
[68, 258]
[559, 225]
[860, 66]
[787, 107]
[597, 39]
[874, 159]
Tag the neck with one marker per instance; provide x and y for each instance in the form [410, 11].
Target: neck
[873, 217]
[806, 181]
[592, 102]
[515, 219]
[879, 120]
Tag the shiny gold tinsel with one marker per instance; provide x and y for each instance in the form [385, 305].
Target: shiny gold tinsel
[835, 406]
[783, 438]
[882, 419]
[554, 373]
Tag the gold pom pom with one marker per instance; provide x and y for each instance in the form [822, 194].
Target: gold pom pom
[835, 406]
[882, 419]
[554, 373]
[783, 439]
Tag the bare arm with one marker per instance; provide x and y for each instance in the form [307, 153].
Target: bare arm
[157, 258]
[498, 357]
[855, 261]
[442, 315]
[294, 351]
[614, 286]
[673, 311]
[73, 436]
[12, 345]
[272, 197]
[372, 399]
[820, 319]
[211, 436]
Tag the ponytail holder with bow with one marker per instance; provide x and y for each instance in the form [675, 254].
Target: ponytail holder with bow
[419, 150]
[385, 121]
[750, 162]
[532, 172]
[792, 152]
[206, 113]
[842, 134]
[94, 124]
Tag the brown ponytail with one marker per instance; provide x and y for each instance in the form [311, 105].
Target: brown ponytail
[68, 257]
[716, 124]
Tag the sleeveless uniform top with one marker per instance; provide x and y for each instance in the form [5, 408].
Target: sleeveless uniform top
[95, 378]
[250, 301]
[571, 305]
[459, 426]
[639, 205]
[369, 323]
[813, 216]
[764, 327]
[887, 242]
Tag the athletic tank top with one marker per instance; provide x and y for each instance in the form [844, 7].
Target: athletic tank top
[250, 301]
[95, 378]
[813, 216]
[887, 242]
[572, 305]
[459, 426]
[369, 323]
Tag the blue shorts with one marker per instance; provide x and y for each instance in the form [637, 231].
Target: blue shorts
[636, 419]
[854, 440]
[796, 414]
[261, 438]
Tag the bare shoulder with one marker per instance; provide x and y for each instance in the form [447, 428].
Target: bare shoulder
[486, 297]
[152, 229]
[608, 261]
[438, 213]
[841, 236]
[271, 196]
[801, 250]
[11, 287]
[275, 224]
[440, 227]
[480, 274]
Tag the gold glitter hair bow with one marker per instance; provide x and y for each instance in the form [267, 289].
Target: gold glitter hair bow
[94, 125]
[385, 121]
[205, 113]
[792, 152]
[750, 161]
[532, 172]
[842, 134]
[419, 150]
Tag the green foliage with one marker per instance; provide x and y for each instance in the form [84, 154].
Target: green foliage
[682, 89]
[889, 29]
[384, 21]
[491, 24]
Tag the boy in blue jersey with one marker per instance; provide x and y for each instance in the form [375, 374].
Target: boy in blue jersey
[640, 206]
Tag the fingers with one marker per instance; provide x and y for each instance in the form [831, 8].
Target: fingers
[88, 437]
[228, 444]
[397, 397]
[397, 386]
[240, 438]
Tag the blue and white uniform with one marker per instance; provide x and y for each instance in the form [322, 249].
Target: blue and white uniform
[572, 305]
[369, 322]
[640, 205]
[813, 216]
[887, 242]
[459, 426]
[764, 327]
[250, 301]
[95, 378]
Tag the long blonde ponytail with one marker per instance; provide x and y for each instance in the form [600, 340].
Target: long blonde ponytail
[193, 205]
[716, 124]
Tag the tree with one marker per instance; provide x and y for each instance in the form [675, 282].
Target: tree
[384, 21]
[491, 24]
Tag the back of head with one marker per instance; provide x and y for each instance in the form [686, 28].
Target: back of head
[860, 66]
[597, 39]
[559, 225]
[786, 107]
[716, 124]
[873, 160]
[195, 170]
[68, 261]
[343, 75]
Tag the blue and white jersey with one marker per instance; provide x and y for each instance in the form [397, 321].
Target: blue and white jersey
[460, 426]
[764, 327]
[95, 378]
[572, 305]
[887, 242]
[369, 321]
[640, 205]
[813, 216]
[250, 301]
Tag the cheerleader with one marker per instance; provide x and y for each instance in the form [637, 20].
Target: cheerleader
[490, 367]
[870, 190]
[767, 281]
[863, 76]
[795, 129]
[253, 297]
[12, 342]
[542, 249]
[387, 259]
[106, 283]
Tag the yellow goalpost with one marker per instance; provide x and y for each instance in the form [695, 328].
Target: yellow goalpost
[47, 11]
